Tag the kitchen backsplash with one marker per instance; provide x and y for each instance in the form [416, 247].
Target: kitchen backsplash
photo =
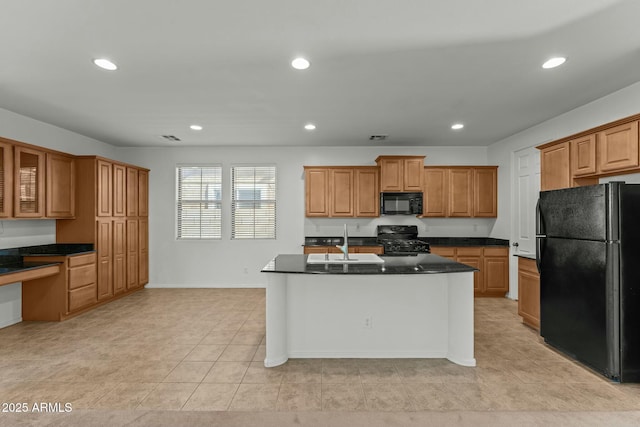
[437, 227]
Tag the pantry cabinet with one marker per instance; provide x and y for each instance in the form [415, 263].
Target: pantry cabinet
[492, 279]
[108, 192]
[401, 173]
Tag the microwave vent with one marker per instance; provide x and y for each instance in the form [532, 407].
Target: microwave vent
[171, 138]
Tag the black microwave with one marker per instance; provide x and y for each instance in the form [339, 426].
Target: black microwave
[400, 203]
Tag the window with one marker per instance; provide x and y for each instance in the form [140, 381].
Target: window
[199, 202]
[253, 202]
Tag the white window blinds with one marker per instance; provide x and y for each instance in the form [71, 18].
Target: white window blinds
[199, 202]
[253, 202]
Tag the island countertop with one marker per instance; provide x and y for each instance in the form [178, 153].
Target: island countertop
[416, 264]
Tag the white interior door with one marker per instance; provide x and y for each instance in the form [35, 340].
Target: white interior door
[527, 178]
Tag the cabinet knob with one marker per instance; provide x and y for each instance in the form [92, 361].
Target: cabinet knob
[516, 244]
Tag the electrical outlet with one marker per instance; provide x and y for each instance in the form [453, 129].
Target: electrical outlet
[368, 322]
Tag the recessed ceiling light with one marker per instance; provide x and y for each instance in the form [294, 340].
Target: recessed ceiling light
[554, 62]
[195, 127]
[457, 126]
[300, 63]
[309, 126]
[105, 64]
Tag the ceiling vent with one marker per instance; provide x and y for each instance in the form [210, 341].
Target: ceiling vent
[378, 137]
[171, 138]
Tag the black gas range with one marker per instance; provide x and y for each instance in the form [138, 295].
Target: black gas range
[401, 240]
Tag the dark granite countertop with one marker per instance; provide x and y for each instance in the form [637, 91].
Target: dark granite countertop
[525, 255]
[12, 261]
[417, 264]
[434, 241]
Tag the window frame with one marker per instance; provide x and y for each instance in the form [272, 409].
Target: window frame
[233, 200]
[177, 201]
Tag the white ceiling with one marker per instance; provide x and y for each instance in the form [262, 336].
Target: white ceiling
[406, 68]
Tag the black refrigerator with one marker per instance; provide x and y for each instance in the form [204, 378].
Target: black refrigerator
[588, 255]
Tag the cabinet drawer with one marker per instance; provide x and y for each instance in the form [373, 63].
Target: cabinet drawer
[526, 264]
[470, 251]
[82, 297]
[497, 251]
[443, 251]
[82, 276]
[77, 260]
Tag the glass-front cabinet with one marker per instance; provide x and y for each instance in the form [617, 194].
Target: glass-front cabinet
[6, 180]
[29, 183]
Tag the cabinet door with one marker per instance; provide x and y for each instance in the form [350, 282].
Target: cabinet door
[143, 252]
[475, 262]
[529, 292]
[119, 190]
[583, 155]
[29, 183]
[435, 192]
[496, 271]
[412, 174]
[554, 167]
[119, 255]
[104, 170]
[341, 192]
[6, 180]
[105, 256]
[322, 250]
[368, 249]
[132, 253]
[460, 192]
[316, 183]
[485, 192]
[132, 192]
[391, 174]
[618, 148]
[143, 193]
[367, 198]
[61, 178]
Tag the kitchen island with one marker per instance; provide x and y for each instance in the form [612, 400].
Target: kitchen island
[417, 306]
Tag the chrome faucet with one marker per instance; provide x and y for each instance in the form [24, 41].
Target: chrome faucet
[345, 247]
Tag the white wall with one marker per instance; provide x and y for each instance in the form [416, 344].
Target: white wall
[14, 233]
[223, 262]
[620, 104]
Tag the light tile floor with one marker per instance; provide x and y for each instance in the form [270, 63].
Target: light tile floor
[202, 350]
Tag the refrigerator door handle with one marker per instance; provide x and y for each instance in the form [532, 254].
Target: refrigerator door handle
[538, 252]
[539, 221]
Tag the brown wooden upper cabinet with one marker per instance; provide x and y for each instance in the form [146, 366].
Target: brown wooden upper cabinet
[367, 193]
[618, 148]
[61, 176]
[341, 191]
[119, 190]
[143, 193]
[554, 167]
[104, 170]
[460, 191]
[6, 180]
[401, 173]
[607, 150]
[29, 191]
[316, 189]
[132, 192]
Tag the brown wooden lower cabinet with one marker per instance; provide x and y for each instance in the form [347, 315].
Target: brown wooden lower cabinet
[492, 279]
[352, 250]
[529, 292]
[63, 295]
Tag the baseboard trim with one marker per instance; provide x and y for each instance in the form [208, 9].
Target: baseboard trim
[202, 285]
[10, 322]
